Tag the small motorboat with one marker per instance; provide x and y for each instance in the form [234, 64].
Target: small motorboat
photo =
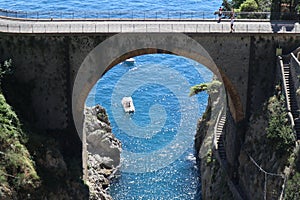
[128, 106]
[129, 61]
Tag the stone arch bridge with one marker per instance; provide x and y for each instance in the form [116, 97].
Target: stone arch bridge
[57, 62]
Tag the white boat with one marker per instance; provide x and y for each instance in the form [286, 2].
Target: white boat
[128, 106]
[130, 61]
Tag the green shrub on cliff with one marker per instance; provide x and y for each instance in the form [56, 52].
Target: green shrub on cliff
[249, 6]
[211, 87]
[293, 182]
[279, 130]
[5, 69]
[292, 190]
[17, 172]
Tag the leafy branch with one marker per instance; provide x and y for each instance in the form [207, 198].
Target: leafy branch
[212, 87]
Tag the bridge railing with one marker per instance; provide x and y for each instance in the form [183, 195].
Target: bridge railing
[131, 15]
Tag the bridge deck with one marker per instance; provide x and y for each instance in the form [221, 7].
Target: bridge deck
[122, 26]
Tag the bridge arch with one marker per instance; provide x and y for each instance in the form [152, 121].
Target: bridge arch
[125, 45]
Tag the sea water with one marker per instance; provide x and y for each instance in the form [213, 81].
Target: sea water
[158, 159]
[111, 5]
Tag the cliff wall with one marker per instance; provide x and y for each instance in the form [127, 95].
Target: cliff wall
[103, 152]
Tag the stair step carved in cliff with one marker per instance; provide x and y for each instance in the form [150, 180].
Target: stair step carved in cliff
[291, 98]
[220, 137]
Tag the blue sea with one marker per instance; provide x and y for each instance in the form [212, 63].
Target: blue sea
[111, 5]
[158, 159]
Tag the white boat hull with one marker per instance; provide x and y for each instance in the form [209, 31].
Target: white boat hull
[128, 106]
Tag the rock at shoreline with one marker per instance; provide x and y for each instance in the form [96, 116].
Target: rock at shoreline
[103, 152]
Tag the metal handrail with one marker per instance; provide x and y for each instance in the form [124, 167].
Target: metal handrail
[132, 15]
[215, 142]
[286, 93]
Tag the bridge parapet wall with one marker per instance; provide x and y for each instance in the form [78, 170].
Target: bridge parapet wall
[11, 25]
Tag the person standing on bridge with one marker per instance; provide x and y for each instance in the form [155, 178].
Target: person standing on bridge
[220, 14]
[232, 22]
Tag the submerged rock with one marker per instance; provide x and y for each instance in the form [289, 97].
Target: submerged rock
[104, 151]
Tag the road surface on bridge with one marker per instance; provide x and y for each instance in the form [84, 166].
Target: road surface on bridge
[11, 25]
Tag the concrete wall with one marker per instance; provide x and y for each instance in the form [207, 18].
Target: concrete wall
[48, 65]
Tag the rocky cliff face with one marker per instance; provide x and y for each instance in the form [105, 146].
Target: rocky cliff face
[256, 170]
[103, 152]
[213, 179]
[250, 178]
[261, 169]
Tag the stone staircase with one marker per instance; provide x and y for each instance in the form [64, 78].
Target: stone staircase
[220, 147]
[220, 137]
[291, 98]
[297, 128]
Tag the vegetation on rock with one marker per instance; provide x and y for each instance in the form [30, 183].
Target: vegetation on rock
[280, 9]
[247, 5]
[17, 170]
[279, 130]
[293, 182]
[211, 87]
[292, 187]
[33, 165]
[5, 69]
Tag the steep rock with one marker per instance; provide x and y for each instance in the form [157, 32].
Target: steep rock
[104, 151]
